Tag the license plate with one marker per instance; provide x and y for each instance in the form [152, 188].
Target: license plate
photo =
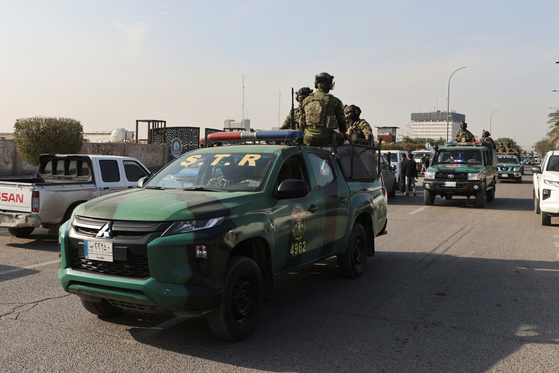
[98, 250]
[450, 183]
[505, 175]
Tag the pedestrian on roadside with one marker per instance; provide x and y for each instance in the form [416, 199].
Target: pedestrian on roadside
[424, 163]
[410, 171]
[388, 156]
[402, 177]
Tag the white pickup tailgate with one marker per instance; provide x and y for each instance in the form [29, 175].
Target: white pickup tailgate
[15, 198]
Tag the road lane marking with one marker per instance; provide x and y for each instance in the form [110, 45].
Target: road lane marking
[29, 267]
[418, 210]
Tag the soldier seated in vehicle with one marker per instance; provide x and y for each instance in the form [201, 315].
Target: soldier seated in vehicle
[474, 158]
[230, 174]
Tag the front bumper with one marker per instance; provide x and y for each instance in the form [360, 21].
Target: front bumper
[459, 188]
[550, 205]
[508, 175]
[19, 220]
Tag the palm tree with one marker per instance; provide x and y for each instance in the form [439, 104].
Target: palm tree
[554, 133]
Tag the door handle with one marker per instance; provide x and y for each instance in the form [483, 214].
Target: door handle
[313, 208]
[343, 200]
[106, 188]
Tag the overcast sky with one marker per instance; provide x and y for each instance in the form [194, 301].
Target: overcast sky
[109, 63]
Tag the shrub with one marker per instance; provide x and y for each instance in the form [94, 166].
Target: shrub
[38, 135]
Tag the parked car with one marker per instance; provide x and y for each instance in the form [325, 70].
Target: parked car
[389, 175]
[395, 158]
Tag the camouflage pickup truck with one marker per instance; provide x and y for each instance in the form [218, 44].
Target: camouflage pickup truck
[208, 233]
[462, 169]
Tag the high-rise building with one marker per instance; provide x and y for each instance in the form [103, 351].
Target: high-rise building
[230, 125]
[433, 125]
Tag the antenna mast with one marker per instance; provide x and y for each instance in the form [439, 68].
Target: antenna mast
[279, 109]
[243, 116]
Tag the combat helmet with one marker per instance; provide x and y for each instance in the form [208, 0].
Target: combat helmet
[352, 111]
[305, 91]
[463, 125]
[486, 134]
[324, 80]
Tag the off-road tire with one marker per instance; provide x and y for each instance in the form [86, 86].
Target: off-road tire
[429, 197]
[491, 193]
[546, 218]
[519, 179]
[241, 305]
[103, 308]
[21, 232]
[352, 263]
[537, 209]
[481, 197]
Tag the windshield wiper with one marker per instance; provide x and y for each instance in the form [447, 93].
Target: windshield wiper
[204, 188]
[154, 187]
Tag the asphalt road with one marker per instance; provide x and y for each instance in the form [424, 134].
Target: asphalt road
[452, 288]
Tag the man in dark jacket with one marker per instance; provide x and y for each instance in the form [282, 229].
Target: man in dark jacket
[410, 172]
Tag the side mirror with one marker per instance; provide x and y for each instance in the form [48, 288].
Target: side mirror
[536, 170]
[292, 188]
[141, 181]
[393, 167]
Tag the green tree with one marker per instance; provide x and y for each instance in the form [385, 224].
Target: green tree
[39, 135]
[543, 146]
[554, 132]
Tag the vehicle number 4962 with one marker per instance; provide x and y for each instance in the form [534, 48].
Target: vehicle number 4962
[298, 248]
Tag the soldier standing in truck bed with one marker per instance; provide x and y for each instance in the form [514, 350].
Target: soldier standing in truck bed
[463, 135]
[300, 95]
[356, 124]
[322, 113]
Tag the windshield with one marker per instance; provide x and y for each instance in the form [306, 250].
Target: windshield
[507, 159]
[458, 156]
[553, 163]
[228, 172]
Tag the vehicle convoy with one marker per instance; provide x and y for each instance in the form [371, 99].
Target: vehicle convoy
[509, 167]
[62, 182]
[546, 187]
[462, 169]
[208, 233]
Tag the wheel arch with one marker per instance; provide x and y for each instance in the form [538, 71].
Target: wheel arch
[257, 249]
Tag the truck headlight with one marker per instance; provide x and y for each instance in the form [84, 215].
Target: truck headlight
[475, 177]
[551, 182]
[185, 226]
[516, 169]
[429, 175]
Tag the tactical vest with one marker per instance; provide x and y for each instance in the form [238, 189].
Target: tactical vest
[315, 112]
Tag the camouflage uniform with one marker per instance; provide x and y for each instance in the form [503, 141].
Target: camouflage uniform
[362, 128]
[501, 148]
[464, 135]
[489, 139]
[296, 120]
[320, 136]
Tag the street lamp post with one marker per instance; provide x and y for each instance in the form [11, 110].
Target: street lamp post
[490, 117]
[448, 101]
[515, 136]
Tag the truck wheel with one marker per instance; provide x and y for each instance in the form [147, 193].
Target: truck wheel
[21, 232]
[546, 219]
[103, 308]
[536, 203]
[519, 179]
[392, 192]
[491, 194]
[481, 197]
[429, 197]
[237, 315]
[352, 263]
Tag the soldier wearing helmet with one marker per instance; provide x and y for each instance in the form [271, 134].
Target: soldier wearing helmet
[487, 137]
[508, 148]
[322, 113]
[463, 135]
[501, 148]
[300, 95]
[356, 124]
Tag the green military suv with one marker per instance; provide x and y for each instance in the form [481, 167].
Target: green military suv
[462, 169]
[208, 233]
[509, 167]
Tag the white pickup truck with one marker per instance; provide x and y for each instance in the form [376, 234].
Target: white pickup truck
[546, 187]
[63, 182]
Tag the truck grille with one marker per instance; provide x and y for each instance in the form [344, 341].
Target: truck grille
[451, 176]
[129, 239]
